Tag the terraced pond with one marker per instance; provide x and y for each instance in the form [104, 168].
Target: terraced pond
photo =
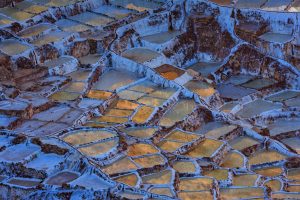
[149, 99]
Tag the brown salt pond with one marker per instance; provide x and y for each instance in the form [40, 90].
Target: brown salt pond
[92, 181]
[76, 87]
[274, 184]
[244, 180]
[228, 107]
[128, 179]
[270, 171]
[283, 96]
[48, 129]
[140, 149]
[217, 133]
[13, 47]
[295, 102]
[295, 7]
[80, 75]
[63, 96]
[151, 101]
[71, 26]
[242, 193]
[140, 55]
[144, 87]
[98, 94]
[130, 95]
[15, 14]
[294, 174]
[13, 105]
[205, 149]
[284, 126]
[110, 120]
[125, 105]
[162, 93]
[176, 139]
[149, 161]
[178, 112]
[140, 132]
[142, 114]
[285, 195]
[219, 174]
[55, 3]
[138, 5]
[91, 19]
[35, 30]
[276, 37]
[100, 148]
[265, 156]
[89, 59]
[18, 153]
[243, 142]
[56, 113]
[161, 38]
[63, 60]
[205, 68]
[207, 195]
[234, 92]
[233, 160]
[181, 136]
[210, 127]
[169, 72]
[195, 183]
[184, 166]
[293, 142]
[201, 88]
[163, 177]
[222, 2]
[130, 195]
[61, 178]
[122, 165]
[291, 188]
[249, 4]
[239, 79]
[259, 83]
[87, 136]
[274, 5]
[30, 7]
[41, 162]
[24, 182]
[257, 107]
[112, 80]
[113, 11]
[118, 113]
[169, 146]
[54, 36]
[161, 191]
[5, 20]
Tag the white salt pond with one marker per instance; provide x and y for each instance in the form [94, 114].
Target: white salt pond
[18, 152]
[92, 181]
